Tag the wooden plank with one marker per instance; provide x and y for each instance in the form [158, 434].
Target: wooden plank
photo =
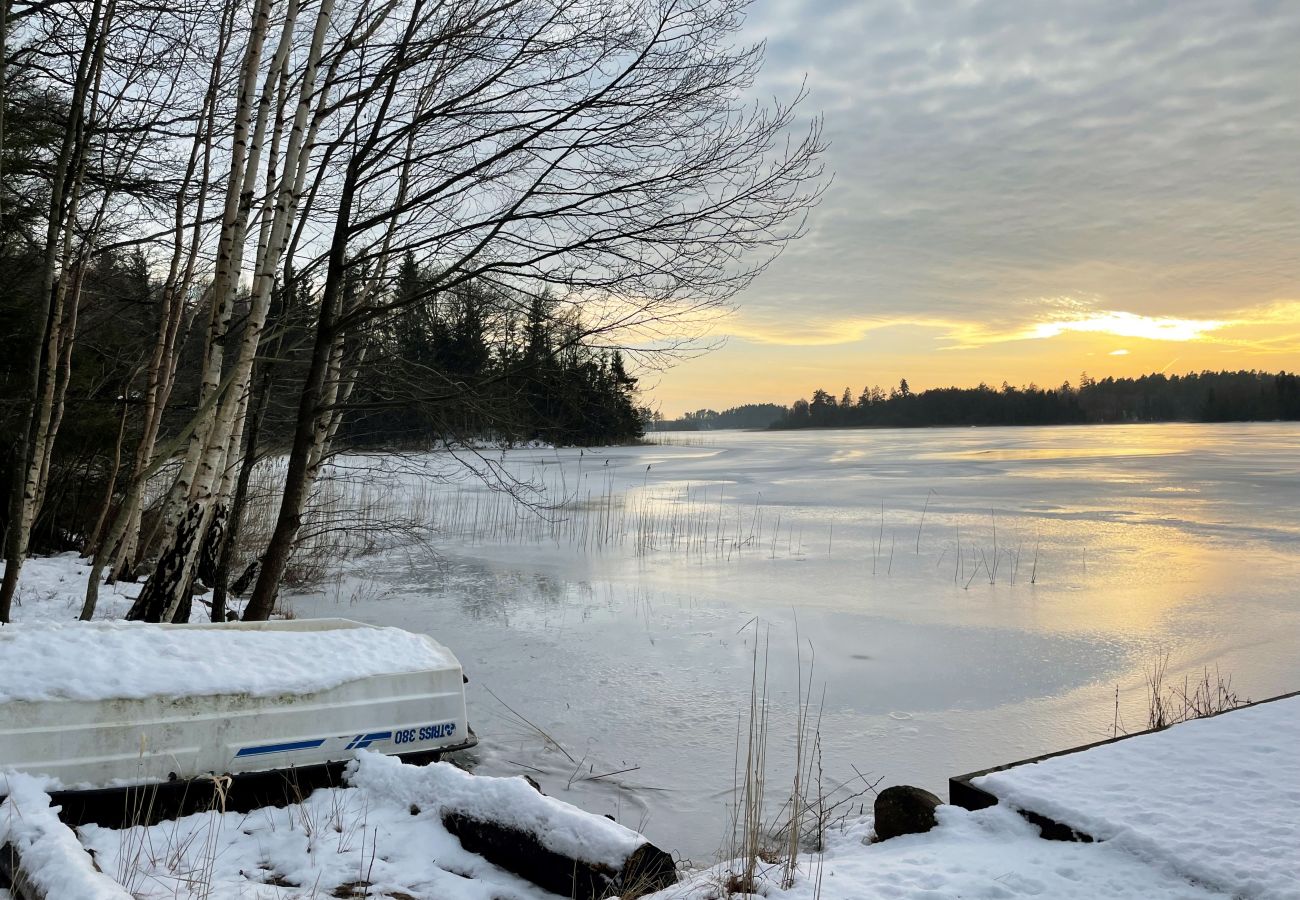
[961, 792]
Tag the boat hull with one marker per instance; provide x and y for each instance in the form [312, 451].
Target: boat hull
[116, 742]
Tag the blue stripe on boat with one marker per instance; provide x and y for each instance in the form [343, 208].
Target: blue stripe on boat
[279, 748]
[364, 741]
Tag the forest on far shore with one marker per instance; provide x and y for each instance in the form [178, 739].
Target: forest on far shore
[1243, 396]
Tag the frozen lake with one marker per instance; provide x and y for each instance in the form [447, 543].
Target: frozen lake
[969, 596]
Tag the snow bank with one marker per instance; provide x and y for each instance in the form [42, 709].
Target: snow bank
[1216, 799]
[52, 589]
[384, 830]
[992, 854]
[51, 856]
[508, 801]
[117, 660]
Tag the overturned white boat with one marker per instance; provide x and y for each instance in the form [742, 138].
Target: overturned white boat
[250, 713]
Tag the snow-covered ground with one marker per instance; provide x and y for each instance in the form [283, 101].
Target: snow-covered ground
[1216, 799]
[53, 589]
[381, 836]
[350, 835]
[383, 833]
[992, 854]
[52, 857]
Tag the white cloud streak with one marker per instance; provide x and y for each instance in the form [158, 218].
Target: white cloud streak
[992, 153]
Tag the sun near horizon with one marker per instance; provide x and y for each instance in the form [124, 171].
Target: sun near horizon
[753, 365]
[1023, 197]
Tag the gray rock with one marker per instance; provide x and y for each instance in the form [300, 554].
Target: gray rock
[904, 809]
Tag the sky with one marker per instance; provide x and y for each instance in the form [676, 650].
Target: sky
[1024, 191]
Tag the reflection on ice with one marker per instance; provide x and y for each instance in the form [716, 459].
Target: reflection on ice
[1000, 454]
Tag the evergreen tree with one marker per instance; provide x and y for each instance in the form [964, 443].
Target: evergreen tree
[479, 363]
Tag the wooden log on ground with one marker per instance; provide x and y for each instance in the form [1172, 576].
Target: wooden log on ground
[40, 857]
[645, 870]
[14, 878]
[21, 884]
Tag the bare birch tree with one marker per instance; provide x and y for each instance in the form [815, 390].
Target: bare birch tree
[116, 102]
[189, 210]
[204, 480]
[33, 436]
[598, 147]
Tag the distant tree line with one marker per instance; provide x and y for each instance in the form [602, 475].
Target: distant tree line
[749, 415]
[1243, 396]
[1195, 397]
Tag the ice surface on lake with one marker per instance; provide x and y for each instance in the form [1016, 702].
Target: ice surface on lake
[622, 623]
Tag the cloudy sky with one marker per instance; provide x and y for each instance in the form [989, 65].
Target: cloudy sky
[1024, 191]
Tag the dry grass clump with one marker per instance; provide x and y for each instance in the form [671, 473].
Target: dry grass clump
[349, 515]
[1168, 704]
[775, 848]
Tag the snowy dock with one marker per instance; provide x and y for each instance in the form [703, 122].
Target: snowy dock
[1214, 800]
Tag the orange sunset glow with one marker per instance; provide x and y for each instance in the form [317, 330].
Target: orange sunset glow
[765, 364]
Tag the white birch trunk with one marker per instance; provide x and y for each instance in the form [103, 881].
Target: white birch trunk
[273, 239]
[243, 168]
[124, 538]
